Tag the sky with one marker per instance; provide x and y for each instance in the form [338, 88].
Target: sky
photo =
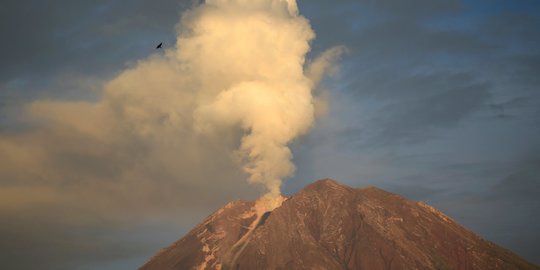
[438, 101]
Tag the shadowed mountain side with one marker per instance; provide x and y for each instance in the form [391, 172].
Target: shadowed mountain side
[331, 226]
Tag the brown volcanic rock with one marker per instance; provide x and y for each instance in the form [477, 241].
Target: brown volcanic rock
[331, 226]
[208, 242]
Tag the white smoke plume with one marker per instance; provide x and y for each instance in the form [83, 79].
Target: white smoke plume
[258, 48]
[237, 63]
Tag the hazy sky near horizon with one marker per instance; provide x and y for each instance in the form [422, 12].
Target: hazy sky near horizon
[438, 101]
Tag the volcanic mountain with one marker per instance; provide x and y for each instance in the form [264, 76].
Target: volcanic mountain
[331, 226]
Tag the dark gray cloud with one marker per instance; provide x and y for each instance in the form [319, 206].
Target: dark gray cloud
[416, 75]
[50, 42]
[414, 106]
[51, 36]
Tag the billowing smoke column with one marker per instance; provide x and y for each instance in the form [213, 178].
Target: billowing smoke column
[251, 55]
[237, 64]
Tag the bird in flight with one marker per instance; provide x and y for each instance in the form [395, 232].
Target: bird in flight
[159, 46]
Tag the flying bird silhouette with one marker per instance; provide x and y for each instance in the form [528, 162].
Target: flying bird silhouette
[159, 46]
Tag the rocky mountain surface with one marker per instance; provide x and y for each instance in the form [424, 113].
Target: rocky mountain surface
[331, 226]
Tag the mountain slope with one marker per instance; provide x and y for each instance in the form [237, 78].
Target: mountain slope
[331, 226]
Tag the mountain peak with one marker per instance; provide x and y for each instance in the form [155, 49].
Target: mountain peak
[328, 225]
[325, 185]
[325, 182]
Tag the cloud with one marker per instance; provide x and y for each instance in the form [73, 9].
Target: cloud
[146, 124]
[409, 120]
[400, 63]
[421, 80]
[62, 38]
[160, 136]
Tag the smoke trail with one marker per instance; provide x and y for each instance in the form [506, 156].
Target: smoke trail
[236, 63]
[258, 50]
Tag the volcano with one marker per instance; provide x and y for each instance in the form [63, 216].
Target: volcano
[328, 225]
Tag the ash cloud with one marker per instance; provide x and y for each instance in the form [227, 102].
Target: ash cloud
[163, 132]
